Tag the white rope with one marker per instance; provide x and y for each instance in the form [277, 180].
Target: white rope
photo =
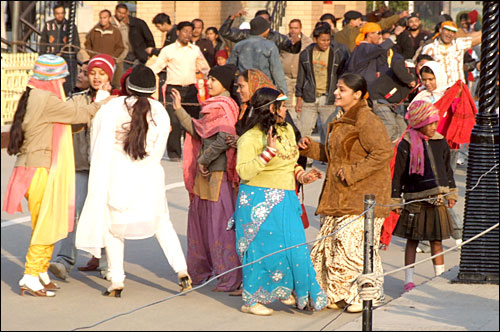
[442, 253]
[368, 287]
[362, 279]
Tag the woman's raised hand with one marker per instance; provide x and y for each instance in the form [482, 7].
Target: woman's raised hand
[106, 87]
[176, 99]
[304, 143]
[271, 140]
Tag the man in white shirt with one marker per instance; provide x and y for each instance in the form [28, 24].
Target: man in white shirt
[449, 51]
[182, 60]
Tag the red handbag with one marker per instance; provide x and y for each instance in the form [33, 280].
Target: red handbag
[303, 216]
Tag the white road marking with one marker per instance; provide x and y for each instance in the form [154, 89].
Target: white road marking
[15, 221]
[24, 219]
[174, 185]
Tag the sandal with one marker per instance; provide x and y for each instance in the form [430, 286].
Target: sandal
[38, 293]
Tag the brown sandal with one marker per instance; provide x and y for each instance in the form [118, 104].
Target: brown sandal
[39, 293]
[51, 285]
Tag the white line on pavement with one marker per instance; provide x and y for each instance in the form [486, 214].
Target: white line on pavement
[174, 185]
[21, 220]
[16, 221]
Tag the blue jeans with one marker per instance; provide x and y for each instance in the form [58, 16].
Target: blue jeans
[67, 252]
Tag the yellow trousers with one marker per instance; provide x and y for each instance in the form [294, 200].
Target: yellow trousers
[38, 256]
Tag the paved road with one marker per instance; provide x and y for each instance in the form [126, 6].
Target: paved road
[150, 280]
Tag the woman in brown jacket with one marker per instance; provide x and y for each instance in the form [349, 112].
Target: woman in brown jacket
[358, 151]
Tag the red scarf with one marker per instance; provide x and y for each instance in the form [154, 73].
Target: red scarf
[458, 114]
[219, 115]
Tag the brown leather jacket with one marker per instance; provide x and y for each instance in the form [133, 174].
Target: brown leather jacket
[358, 142]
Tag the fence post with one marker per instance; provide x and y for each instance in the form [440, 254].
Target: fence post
[368, 256]
[15, 25]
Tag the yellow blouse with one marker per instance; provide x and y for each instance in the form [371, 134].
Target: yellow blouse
[279, 172]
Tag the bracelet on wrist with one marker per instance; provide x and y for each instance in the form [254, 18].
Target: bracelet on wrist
[268, 154]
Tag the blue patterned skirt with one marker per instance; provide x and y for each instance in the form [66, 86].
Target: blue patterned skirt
[268, 220]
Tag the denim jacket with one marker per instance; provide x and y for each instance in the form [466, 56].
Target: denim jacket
[256, 52]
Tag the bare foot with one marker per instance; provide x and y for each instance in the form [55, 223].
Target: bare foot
[237, 292]
[218, 290]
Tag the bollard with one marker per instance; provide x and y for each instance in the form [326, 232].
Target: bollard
[368, 256]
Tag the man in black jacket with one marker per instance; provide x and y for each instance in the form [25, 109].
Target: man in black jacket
[394, 87]
[320, 66]
[408, 42]
[162, 22]
[54, 36]
[205, 45]
[139, 35]
[235, 35]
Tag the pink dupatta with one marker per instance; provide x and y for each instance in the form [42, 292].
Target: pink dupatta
[220, 114]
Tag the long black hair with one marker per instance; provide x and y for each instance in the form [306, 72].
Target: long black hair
[259, 110]
[137, 129]
[356, 83]
[16, 134]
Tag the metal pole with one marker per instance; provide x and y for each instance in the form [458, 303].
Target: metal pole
[368, 256]
[479, 260]
[15, 24]
[72, 57]
[411, 6]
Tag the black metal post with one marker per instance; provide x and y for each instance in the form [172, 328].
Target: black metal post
[368, 256]
[15, 24]
[71, 37]
[479, 259]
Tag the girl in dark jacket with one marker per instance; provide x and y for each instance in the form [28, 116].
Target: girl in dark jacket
[422, 170]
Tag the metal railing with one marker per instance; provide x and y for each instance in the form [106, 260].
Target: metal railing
[31, 21]
[278, 14]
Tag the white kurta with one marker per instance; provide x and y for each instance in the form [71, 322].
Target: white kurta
[125, 197]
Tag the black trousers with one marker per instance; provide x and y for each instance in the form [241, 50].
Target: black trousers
[188, 95]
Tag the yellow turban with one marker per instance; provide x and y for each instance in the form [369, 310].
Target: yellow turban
[368, 27]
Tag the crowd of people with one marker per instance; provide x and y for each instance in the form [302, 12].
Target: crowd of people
[390, 102]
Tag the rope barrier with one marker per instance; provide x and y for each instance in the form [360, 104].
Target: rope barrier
[215, 277]
[365, 292]
[443, 195]
[67, 45]
[441, 253]
[165, 103]
[371, 293]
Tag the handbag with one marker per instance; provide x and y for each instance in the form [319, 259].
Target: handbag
[303, 216]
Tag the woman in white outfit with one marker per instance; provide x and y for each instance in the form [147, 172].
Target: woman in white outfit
[126, 195]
